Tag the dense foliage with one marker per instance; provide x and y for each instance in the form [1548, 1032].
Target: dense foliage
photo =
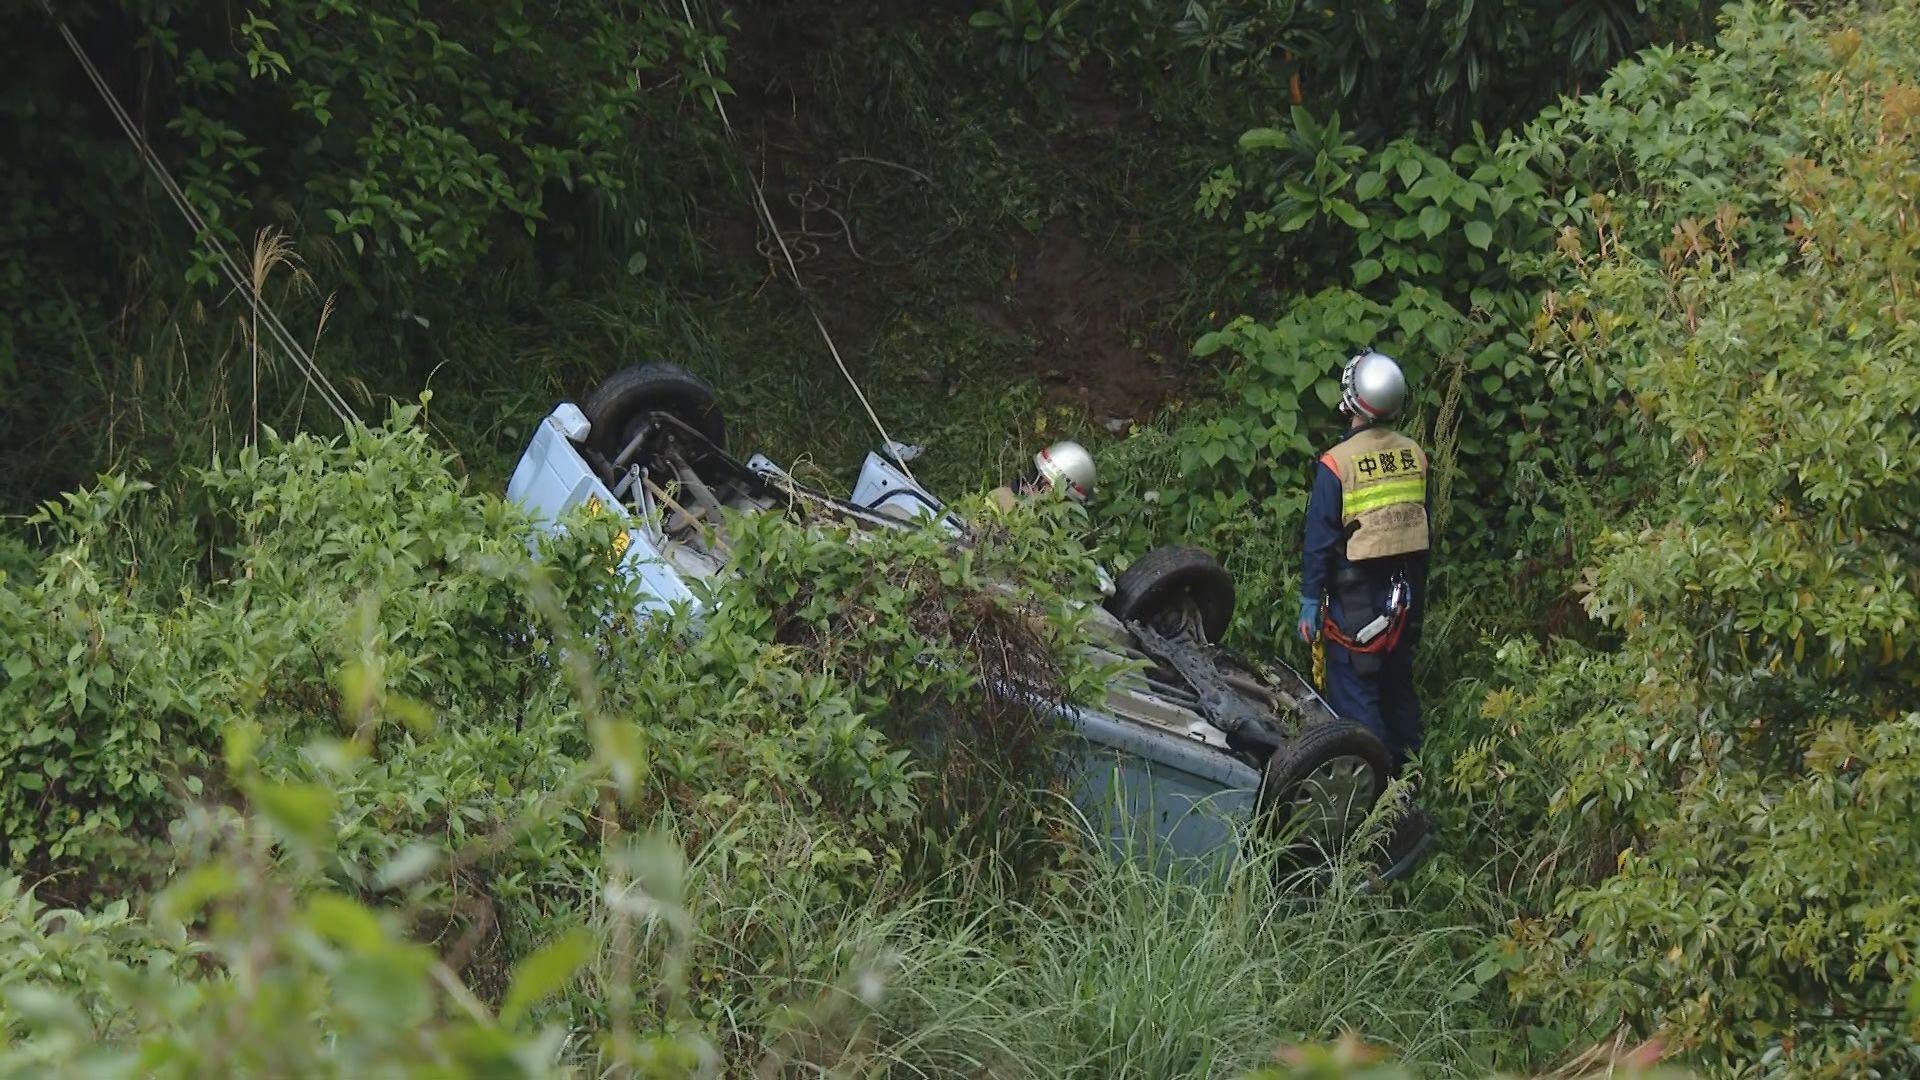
[1429, 64]
[317, 757]
[1745, 757]
[433, 776]
[1684, 367]
[416, 700]
[417, 152]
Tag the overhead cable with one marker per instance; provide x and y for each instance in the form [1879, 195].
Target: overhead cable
[765, 214]
[223, 259]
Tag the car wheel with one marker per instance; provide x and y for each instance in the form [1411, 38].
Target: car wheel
[1319, 787]
[1176, 592]
[625, 399]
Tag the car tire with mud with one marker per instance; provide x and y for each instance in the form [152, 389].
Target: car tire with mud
[630, 396]
[1177, 592]
[1320, 786]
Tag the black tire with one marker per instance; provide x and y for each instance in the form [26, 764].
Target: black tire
[625, 398]
[1164, 581]
[1337, 769]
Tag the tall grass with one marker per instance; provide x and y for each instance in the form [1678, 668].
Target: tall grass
[1116, 970]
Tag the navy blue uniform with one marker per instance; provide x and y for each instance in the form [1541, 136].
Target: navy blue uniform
[1384, 701]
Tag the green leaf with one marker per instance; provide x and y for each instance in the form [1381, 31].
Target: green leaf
[1366, 270]
[303, 812]
[545, 972]
[1298, 220]
[239, 741]
[1303, 121]
[1369, 185]
[44, 1009]
[1479, 234]
[344, 922]
[1209, 343]
[620, 746]
[1265, 139]
[386, 989]
[1409, 171]
[1433, 221]
[191, 891]
[412, 863]
[1346, 212]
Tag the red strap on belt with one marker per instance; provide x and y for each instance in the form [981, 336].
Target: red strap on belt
[1397, 621]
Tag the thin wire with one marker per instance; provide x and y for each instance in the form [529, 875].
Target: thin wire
[228, 265]
[331, 396]
[793, 269]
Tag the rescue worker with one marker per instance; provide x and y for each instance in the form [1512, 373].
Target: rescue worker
[1364, 576]
[1065, 467]
[1363, 580]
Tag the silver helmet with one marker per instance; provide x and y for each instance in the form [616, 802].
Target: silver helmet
[1372, 385]
[1066, 465]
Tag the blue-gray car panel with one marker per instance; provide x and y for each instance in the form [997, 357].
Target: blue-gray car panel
[1131, 778]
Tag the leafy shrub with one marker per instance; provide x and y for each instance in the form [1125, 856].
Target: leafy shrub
[419, 157]
[1028, 33]
[1450, 264]
[66, 965]
[1426, 66]
[426, 141]
[960, 656]
[427, 705]
[106, 705]
[1454, 65]
[1752, 736]
[1446, 256]
[1538, 826]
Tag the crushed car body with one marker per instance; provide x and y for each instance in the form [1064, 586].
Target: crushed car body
[1189, 743]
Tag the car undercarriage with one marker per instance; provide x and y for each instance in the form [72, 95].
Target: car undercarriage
[1191, 736]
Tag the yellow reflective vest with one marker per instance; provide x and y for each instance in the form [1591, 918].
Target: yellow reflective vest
[1383, 493]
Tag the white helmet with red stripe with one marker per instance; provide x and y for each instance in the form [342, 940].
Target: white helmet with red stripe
[1372, 385]
[1067, 466]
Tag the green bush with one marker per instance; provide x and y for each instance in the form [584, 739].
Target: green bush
[426, 705]
[444, 171]
[1447, 257]
[1427, 65]
[1450, 264]
[1454, 65]
[1027, 34]
[429, 140]
[1744, 759]
[107, 707]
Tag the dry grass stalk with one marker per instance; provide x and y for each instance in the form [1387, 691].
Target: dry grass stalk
[271, 249]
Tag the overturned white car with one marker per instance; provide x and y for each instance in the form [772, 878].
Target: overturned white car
[1193, 738]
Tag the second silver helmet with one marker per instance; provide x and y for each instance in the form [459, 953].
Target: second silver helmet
[1067, 466]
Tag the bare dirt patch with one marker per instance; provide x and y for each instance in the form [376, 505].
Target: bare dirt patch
[1094, 318]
